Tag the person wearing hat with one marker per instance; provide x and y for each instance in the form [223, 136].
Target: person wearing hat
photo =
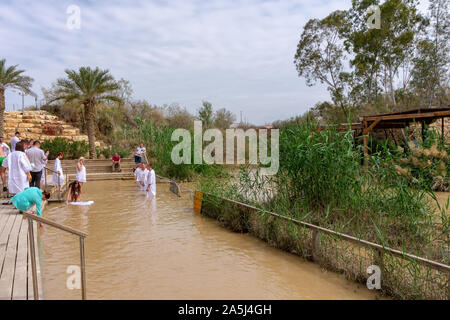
[81, 171]
[58, 171]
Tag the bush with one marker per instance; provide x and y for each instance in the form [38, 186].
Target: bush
[71, 150]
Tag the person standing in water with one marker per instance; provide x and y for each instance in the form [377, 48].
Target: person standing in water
[140, 176]
[58, 171]
[81, 171]
[150, 182]
[74, 192]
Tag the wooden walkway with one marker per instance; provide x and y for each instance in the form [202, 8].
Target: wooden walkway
[16, 281]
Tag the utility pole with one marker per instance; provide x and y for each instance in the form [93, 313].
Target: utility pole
[23, 102]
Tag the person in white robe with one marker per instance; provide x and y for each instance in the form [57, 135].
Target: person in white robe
[140, 174]
[44, 175]
[58, 171]
[19, 167]
[150, 182]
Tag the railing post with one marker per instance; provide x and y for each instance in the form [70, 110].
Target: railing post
[33, 259]
[59, 187]
[315, 245]
[83, 270]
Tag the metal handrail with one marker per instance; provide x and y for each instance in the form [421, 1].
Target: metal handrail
[433, 264]
[59, 184]
[82, 235]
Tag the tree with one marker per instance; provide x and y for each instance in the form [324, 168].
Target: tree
[382, 53]
[205, 115]
[223, 119]
[89, 87]
[431, 64]
[11, 78]
[320, 55]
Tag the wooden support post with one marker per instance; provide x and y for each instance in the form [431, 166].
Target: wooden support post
[315, 245]
[366, 133]
[366, 144]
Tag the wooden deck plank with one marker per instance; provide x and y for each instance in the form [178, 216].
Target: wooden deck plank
[3, 218]
[4, 237]
[20, 273]
[9, 264]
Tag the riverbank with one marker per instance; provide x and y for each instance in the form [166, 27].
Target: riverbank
[419, 278]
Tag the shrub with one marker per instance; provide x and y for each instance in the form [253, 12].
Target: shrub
[71, 150]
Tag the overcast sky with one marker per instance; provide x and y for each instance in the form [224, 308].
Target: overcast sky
[237, 54]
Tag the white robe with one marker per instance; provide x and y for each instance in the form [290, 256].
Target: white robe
[44, 172]
[141, 177]
[58, 168]
[19, 166]
[151, 180]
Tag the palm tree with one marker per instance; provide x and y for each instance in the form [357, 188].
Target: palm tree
[89, 87]
[11, 78]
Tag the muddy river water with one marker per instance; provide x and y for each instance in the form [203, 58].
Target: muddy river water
[159, 249]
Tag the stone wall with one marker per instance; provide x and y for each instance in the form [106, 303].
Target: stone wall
[40, 125]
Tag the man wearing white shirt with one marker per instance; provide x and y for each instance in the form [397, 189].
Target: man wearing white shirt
[140, 152]
[14, 141]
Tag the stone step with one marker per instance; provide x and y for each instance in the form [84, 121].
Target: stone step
[88, 162]
[98, 169]
[105, 176]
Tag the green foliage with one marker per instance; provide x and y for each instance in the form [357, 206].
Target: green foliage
[321, 181]
[89, 87]
[406, 46]
[205, 115]
[71, 150]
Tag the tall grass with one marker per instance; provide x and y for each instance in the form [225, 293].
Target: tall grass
[157, 140]
[321, 181]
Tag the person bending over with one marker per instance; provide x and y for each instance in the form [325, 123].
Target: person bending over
[74, 192]
[24, 200]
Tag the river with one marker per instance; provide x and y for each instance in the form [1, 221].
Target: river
[159, 249]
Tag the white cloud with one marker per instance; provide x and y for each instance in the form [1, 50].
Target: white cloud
[237, 54]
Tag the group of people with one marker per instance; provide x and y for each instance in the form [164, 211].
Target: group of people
[26, 164]
[25, 161]
[145, 178]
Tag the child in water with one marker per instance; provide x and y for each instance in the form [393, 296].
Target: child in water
[74, 192]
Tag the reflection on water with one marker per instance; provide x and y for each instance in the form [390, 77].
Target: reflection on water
[141, 248]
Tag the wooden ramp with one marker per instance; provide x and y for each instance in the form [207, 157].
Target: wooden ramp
[16, 281]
